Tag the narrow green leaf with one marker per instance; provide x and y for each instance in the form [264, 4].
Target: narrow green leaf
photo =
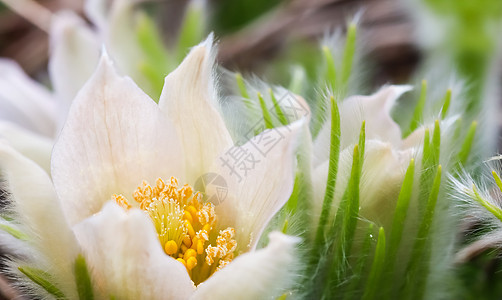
[348, 55]
[446, 104]
[83, 279]
[373, 285]
[42, 279]
[14, 232]
[285, 226]
[334, 153]
[353, 290]
[278, 110]
[494, 210]
[497, 180]
[351, 218]
[266, 114]
[362, 144]
[463, 155]
[330, 76]
[419, 262]
[347, 214]
[242, 85]
[398, 221]
[419, 109]
[436, 143]
[292, 203]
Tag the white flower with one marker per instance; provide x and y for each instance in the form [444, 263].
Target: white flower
[114, 138]
[387, 154]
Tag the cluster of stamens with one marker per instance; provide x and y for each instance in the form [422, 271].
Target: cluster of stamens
[185, 226]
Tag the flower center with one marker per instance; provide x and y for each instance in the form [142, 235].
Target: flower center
[185, 226]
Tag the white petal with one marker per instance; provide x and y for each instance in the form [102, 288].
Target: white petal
[126, 261]
[34, 146]
[74, 56]
[187, 99]
[260, 176]
[382, 175]
[114, 138]
[262, 274]
[25, 102]
[39, 211]
[375, 110]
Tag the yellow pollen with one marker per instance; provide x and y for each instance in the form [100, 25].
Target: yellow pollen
[184, 225]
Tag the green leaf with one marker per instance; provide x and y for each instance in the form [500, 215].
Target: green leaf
[266, 114]
[353, 290]
[398, 222]
[419, 263]
[83, 279]
[362, 144]
[43, 279]
[242, 85]
[463, 155]
[497, 180]
[494, 210]
[278, 110]
[334, 153]
[373, 285]
[14, 232]
[348, 55]
[344, 226]
[419, 109]
[446, 104]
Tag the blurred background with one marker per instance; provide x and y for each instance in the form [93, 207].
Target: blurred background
[252, 33]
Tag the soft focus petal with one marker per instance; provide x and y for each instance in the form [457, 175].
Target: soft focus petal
[187, 98]
[125, 258]
[74, 55]
[40, 214]
[262, 274]
[259, 184]
[375, 110]
[25, 102]
[114, 138]
[34, 146]
[382, 175]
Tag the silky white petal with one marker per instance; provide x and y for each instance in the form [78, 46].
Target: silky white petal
[260, 176]
[262, 274]
[114, 138]
[125, 259]
[34, 146]
[25, 102]
[382, 175]
[75, 52]
[40, 214]
[187, 99]
[374, 109]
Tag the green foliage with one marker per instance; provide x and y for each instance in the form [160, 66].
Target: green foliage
[43, 279]
[83, 279]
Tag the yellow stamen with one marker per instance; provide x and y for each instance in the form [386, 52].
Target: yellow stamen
[171, 247]
[184, 225]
